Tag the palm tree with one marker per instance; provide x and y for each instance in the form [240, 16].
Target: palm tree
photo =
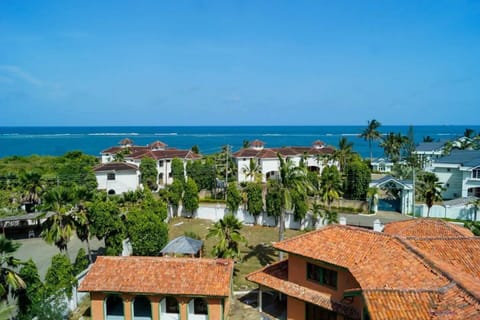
[227, 231]
[430, 189]
[60, 225]
[31, 182]
[428, 139]
[252, 171]
[344, 152]
[9, 279]
[469, 133]
[371, 134]
[392, 145]
[330, 185]
[292, 179]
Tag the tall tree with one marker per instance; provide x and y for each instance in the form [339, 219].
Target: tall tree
[371, 134]
[31, 296]
[274, 200]
[175, 194]
[190, 196]
[330, 185]
[234, 198]
[344, 152]
[60, 276]
[357, 180]
[148, 172]
[254, 199]
[429, 189]
[292, 179]
[392, 145]
[9, 278]
[31, 182]
[147, 232]
[60, 224]
[227, 233]
[178, 170]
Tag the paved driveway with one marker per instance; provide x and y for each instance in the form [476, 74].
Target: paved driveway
[41, 252]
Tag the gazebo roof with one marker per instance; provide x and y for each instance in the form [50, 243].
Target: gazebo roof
[183, 245]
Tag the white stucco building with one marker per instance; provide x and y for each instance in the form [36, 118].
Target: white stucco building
[459, 173]
[130, 154]
[117, 177]
[429, 152]
[266, 159]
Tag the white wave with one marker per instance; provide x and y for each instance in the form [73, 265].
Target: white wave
[350, 134]
[446, 134]
[166, 134]
[272, 135]
[114, 134]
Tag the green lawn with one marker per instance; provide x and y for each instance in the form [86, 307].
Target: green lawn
[256, 254]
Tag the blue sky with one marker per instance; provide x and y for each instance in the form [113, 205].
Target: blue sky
[239, 62]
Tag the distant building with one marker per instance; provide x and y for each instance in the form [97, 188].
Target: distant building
[416, 269]
[129, 153]
[117, 177]
[159, 288]
[266, 159]
[428, 152]
[459, 173]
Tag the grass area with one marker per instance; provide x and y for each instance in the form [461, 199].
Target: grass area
[257, 253]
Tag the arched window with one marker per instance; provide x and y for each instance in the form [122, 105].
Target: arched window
[111, 192]
[114, 307]
[142, 309]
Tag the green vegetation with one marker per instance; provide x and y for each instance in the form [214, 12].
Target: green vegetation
[228, 236]
[371, 134]
[148, 172]
[254, 199]
[190, 196]
[234, 198]
[357, 180]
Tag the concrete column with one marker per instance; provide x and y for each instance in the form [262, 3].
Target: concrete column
[155, 304]
[127, 306]
[97, 303]
[183, 307]
[260, 299]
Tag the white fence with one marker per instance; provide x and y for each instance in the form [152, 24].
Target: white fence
[451, 212]
[215, 212]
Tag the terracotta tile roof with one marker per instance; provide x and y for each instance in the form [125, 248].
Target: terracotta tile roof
[164, 154]
[257, 143]
[362, 251]
[426, 228]
[115, 166]
[276, 277]
[400, 277]
[126, 141]
[160, 275]
[157, 144]
[113, 150]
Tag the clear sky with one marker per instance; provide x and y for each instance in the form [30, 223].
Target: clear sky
[239, 62]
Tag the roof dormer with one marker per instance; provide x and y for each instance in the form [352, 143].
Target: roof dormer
[125, 143]
[157, 145]
[318, 144]
[257, 145]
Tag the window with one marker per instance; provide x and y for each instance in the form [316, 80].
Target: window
[170, 174]
[200, 306]
[313, 312]
[160, 163]
[476, 173]
[110, 176]
[322, 275]
[171, 305]
[168, 161]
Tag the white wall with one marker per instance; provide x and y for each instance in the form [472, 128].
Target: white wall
[124, 181]
[437, 211]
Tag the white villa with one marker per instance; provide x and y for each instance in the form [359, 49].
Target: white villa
[117, 177]
[268, 164]
[131, 155]
[459, 173]
[429, 152]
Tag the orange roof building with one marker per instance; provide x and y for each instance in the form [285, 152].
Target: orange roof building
[418, 269]
[159, 288]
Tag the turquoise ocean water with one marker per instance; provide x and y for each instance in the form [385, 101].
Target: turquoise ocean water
[23, 141]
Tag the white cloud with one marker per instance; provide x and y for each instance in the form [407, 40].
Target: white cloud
[19, 73]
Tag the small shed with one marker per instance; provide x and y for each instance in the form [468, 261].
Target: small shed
[183, 246]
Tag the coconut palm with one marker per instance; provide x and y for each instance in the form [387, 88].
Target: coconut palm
[291, 179]
[392, 145]
[344, 152]
[9, 279]
[60, 224]
[429, 189]
[330, 185]
[227, 231]
[371, 134]
[372, 198]
[252, 171]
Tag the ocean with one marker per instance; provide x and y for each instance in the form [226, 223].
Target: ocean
[22, 141]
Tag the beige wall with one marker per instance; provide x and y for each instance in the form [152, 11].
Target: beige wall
[97, 306]
[297, 273]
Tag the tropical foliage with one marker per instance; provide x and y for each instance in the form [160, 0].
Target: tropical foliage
[371, 134]
[254, 199]
[227, 233]
[190, 197]
[429, 189]
[148, 173]
[234, 198]
[357, 180]
[9, 278]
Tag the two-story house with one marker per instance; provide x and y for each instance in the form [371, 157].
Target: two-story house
[266, 160]
[459, 173]
[418, 269]
[127, 288]
[132, 154]
[117, 177]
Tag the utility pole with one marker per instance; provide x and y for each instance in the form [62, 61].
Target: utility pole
[227, 153]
